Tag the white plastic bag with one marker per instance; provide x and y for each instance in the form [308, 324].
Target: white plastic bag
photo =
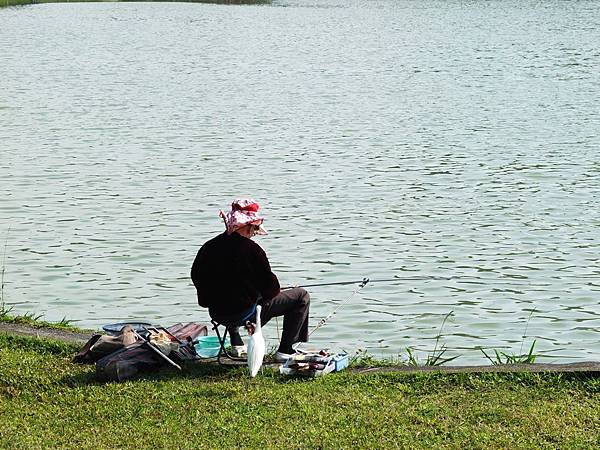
[256, 346]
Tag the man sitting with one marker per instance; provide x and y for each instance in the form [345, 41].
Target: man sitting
[231, 274]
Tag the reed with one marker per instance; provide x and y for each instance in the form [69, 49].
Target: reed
[500, 357]
[3, 310]
[362, 359]
[436, 356]
[511, 358]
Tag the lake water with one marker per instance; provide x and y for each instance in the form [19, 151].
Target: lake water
[453, 145]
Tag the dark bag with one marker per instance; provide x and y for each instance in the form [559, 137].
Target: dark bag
[86, 355]
[128, 362]
[100, 345]
[141, 358]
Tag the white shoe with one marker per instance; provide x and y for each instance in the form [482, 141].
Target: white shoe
[282, 357]
[239, 351]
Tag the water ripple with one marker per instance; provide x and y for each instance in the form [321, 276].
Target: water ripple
[384, 139]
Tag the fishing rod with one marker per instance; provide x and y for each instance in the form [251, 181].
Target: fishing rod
[360, 284]
[324, 320]
[343, 283]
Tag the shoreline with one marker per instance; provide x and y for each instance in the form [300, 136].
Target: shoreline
[41, 332]
[79, 337]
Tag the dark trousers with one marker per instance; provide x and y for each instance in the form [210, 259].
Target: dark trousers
[293, 305]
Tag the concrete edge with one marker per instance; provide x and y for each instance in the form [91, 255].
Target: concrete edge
[587, 367]
[70, 337]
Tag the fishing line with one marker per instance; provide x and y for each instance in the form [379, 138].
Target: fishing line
[324, 320]
[388, 280]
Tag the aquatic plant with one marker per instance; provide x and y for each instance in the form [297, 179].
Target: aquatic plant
[506, 358]
[436, 356]
[412, 359]
[3, 310]
[511, 358]
[64, 322]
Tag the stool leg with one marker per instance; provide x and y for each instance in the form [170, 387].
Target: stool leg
[222, 349]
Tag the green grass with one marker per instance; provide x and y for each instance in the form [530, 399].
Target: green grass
[14, 2]
[48, 402]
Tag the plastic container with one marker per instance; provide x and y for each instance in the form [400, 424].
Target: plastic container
[341, 361]
[208, 346]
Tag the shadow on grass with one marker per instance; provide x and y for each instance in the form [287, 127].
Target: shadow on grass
[209, 372]
[416, 383]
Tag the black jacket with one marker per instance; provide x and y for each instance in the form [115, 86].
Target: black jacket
[231, 273]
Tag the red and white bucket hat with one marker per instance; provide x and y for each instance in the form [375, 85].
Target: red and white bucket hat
[243, 212]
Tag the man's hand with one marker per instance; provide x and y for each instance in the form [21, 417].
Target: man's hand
[250, 328]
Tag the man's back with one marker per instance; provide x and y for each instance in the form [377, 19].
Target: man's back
[230, 272]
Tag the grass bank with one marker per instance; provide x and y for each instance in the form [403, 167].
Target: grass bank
[222, 2]
[35, 321]
[46, 401]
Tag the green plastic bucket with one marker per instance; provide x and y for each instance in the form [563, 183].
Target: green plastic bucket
[208, 346]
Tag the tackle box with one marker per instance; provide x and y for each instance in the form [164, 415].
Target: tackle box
[313, 365]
